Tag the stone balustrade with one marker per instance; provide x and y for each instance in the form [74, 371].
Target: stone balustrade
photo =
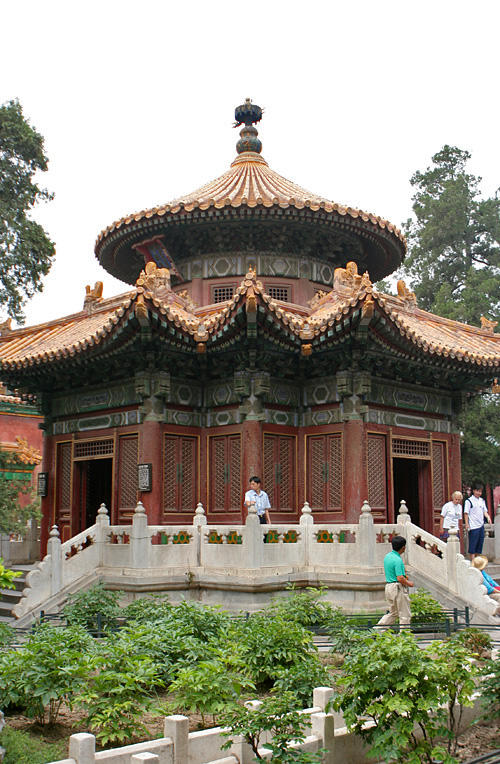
[348, 557]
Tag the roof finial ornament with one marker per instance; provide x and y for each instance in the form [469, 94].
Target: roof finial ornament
[248, 113]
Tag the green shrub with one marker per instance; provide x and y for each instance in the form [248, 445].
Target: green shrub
[280, 720]
[6, 634]
[23, 748]
[267, 645]
[490, 689]
[301, 678]
[7, 576]
[147, 609]
[119, 690]
[83, 609]
[397, 685]
[209, 687]
[303, 607]
[49, 670]
[424, 608]
[201, 622]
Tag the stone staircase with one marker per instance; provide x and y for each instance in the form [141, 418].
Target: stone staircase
[10, 597]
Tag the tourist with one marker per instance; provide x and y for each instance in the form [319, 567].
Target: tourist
[475, 512]
[451, 515]
[396, 586]
[258, 498]
[492, 587]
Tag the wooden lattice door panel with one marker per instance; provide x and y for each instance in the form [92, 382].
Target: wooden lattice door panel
[127, 476]
[439, 493]
[180, 473]
[325, 484]
[63, 490]
[279, 471]
[224, 478]
[376, 458]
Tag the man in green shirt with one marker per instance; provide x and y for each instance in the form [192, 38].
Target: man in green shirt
[396, 586]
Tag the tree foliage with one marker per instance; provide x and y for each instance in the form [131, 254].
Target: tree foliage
[453, 260]
[480, 424]
[14, 514]
[26, 251]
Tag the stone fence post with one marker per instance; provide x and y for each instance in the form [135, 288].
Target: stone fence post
[140, 539]
[497, 535]
[366, 537]
[253, 538]
[306, 523]
[199, 520]
[102, 531]
[177, 728]
[56, 561]
[82, 748]
[452, 552]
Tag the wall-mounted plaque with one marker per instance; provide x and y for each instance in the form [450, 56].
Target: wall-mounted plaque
[42, 483]
[145, 477]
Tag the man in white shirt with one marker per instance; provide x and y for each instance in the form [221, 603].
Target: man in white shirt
[475, 513]
[451, 514]
[260, 499]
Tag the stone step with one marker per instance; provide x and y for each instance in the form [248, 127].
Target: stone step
[10, 597]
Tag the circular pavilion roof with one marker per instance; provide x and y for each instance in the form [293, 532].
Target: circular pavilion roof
[250, 193]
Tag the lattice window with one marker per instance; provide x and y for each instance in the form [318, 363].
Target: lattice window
[64, 476]
[285, 472]
[420, 449]
[335, 478]
[269, 465]
[128, 472]
[279, 293]
[222, 293]
[317, 472]
[92, 448]
[169, 474]
[438, 476]
[377, 472]
[188, 473]
[234, 473]
[219, 470]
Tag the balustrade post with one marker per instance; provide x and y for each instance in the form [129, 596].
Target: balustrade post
[306, 531]
[323, 726]
[253, 539]
[451, 553]
[56, 560]
[366, 537]
[199, 520]
[403, 517]
[82, 747]
[140, 539]
[102, 531]
[497, 535]
[177, 728]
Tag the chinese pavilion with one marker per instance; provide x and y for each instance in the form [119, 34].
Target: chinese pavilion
[252, 341]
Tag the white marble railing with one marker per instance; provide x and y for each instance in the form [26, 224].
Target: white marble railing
[250, 550]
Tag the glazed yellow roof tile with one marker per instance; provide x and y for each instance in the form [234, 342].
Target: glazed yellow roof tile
[250, 181]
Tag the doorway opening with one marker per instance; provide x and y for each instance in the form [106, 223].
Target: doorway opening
[411, 483]
[94, 481]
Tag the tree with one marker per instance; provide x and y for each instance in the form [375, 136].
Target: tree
[26, 251]
[453, 261]
[14, 514]
[480, 424]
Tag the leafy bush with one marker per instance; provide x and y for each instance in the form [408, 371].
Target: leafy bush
[49, 670]
[6, 634]
[490, 689]
[398, 685]
[7, 576]
[424, 608]
[201, 622]
[303, 607]
[83, 609]
[477, 642]
[301, 678]
[279, 717]
[209, 687]
[267, 645]
[22, 748]
[147, 609]
[118, 691]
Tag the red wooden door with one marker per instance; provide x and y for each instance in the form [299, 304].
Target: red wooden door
[324, 472]
[180, 473]
[279, 471]
[225, 473]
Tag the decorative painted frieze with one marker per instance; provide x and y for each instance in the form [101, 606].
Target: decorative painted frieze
[83, 424]
[395, 419]
[320, 391]
[407, 397]
[114, 396]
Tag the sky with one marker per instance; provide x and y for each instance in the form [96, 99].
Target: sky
[136, 102]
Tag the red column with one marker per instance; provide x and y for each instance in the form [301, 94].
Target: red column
[150, 452]
[48, 465]
[251, 443]
[355, 479]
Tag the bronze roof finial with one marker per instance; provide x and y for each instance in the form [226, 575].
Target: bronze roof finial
[247, 114]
